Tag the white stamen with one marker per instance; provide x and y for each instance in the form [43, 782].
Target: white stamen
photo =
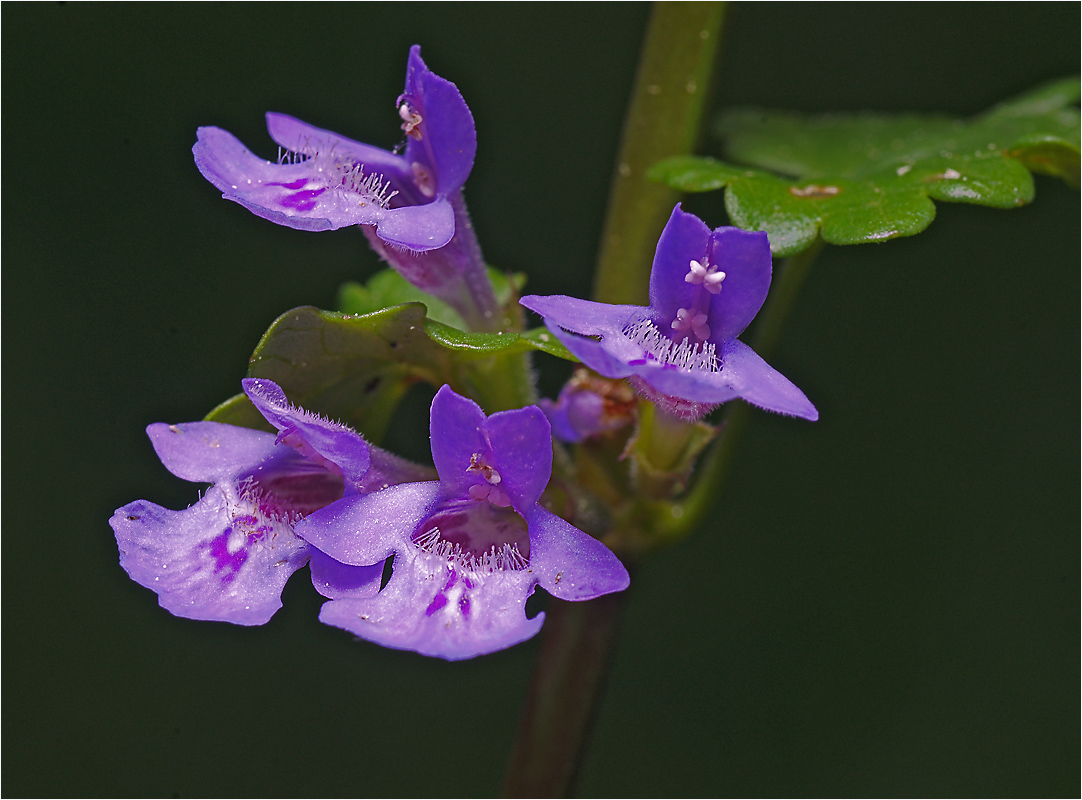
[709, 277]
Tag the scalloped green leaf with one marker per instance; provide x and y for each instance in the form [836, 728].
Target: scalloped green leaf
[356, 368]
[869, 178]
[351, 368]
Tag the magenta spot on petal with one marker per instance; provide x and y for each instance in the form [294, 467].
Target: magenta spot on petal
[225, 561]
[467, 582]
[439, 602]
[302, 201]
[636, 362]
[297, 184]
[451, 580]
[464, 604]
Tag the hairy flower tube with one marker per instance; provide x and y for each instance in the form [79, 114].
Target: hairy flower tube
[410, 206]
[469, 548]
[228, 556]
[681, 351]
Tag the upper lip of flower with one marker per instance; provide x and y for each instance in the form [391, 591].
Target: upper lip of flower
[683, 346]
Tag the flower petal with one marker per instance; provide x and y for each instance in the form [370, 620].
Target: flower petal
[685, 238]
[582, 316]
[744, 257]
[448, 142]
[569, 409]
[521, 446]
[455, 427]
[570, 564]
[209, 452]
[308, 432]
[339, 581]
[698, 387]
[743, 374]
[387, 469]
[762, 385]
[305, 195]
[362, 530]
[214, 561]
[432, 609]
[300, 137]
[418, 228]
[596, 354]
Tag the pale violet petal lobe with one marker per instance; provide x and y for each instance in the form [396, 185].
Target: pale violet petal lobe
[762, 385]
[337, 581]
[744, 257]
[217, 560]
[362, 530]
[456, 424]
[309, 433]
[209, 451]
[684, 239]
[570, 564]
[428, 608]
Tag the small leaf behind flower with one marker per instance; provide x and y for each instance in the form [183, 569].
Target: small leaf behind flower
[350, 368]
[869, 178]
[356, 368]
[387, 288]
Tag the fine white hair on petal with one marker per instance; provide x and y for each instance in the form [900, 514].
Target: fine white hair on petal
[342, 174]
[700, 357]
[507, 558]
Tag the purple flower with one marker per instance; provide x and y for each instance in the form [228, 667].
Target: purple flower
[409, 205]
[469, 548]
[681, 352]
[228, 556]
[589, 406]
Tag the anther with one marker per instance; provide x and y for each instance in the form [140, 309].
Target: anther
[708, 276]
[410, 120]
[488, 473]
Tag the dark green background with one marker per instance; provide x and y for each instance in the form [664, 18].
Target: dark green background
[886, 602]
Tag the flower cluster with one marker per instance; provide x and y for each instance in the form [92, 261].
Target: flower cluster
[468, 548]
[438, 560]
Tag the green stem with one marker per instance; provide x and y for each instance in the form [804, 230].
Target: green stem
[576, 651]
[664, 119]
[684, 515]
